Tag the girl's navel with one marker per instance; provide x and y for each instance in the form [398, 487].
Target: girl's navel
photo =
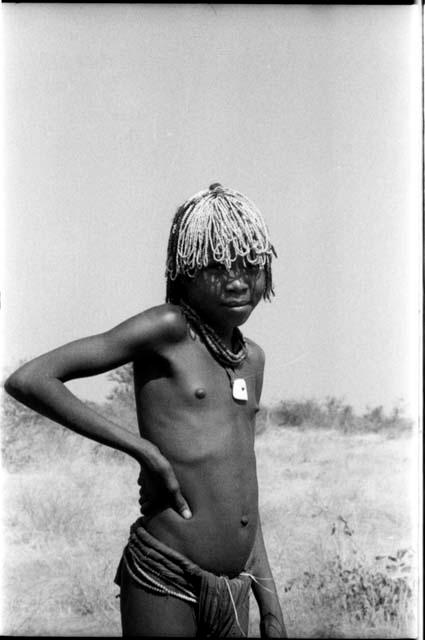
[200, 393]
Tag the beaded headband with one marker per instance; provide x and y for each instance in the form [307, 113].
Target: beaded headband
[221, 225]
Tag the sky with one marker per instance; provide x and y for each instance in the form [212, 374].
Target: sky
[115, 114]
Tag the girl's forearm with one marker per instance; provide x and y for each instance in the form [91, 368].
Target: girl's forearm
[265, 591]
[263, 586]
[51, 398]
[39, 384]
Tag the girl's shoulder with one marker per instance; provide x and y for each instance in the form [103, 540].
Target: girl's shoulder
[255, 352]
[163, 323]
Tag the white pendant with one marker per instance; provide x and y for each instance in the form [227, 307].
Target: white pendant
[239, 389]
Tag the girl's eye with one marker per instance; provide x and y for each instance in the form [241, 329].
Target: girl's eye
[216, 266]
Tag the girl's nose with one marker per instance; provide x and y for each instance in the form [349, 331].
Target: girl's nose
[236, 282]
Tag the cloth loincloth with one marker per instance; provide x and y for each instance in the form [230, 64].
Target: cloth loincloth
[221, 603]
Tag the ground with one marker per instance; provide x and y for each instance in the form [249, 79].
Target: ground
[338, 513]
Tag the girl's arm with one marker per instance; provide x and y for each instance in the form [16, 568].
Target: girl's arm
[39, 384]
[263, 585]
[264, 589]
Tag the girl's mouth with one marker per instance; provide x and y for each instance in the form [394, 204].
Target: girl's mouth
[236, 303]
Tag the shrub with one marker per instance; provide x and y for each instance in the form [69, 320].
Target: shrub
[29, 440]
[375, 419]
[123, 390]
[366, 594]
[333, 413]
[23, 433]
[295, 413]
[345, 586]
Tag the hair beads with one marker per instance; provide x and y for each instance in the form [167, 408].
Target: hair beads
[218, 225]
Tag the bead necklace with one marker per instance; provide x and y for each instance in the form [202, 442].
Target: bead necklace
[215, 345]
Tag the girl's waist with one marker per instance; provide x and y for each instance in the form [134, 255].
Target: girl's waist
[219, 545]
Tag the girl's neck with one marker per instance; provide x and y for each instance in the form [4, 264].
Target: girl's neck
[225, 333]
[225, 343]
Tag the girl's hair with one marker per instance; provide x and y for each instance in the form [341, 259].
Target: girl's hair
[221, 225]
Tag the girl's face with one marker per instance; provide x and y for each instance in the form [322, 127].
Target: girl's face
[224, 298]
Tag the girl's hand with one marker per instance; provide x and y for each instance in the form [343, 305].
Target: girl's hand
[164, 489]
[272, 626]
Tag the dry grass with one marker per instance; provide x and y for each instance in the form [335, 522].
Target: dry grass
[68, 514]
[311, 482]
[65, 530]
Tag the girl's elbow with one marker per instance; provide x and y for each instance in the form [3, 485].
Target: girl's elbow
[13, 385]
[19, 385]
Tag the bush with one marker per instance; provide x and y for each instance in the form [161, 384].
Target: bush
[333, 413]
[122, 393]
[366, 594]
[22, 431]
[295, 413]
[30, 441]
[377, 594]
